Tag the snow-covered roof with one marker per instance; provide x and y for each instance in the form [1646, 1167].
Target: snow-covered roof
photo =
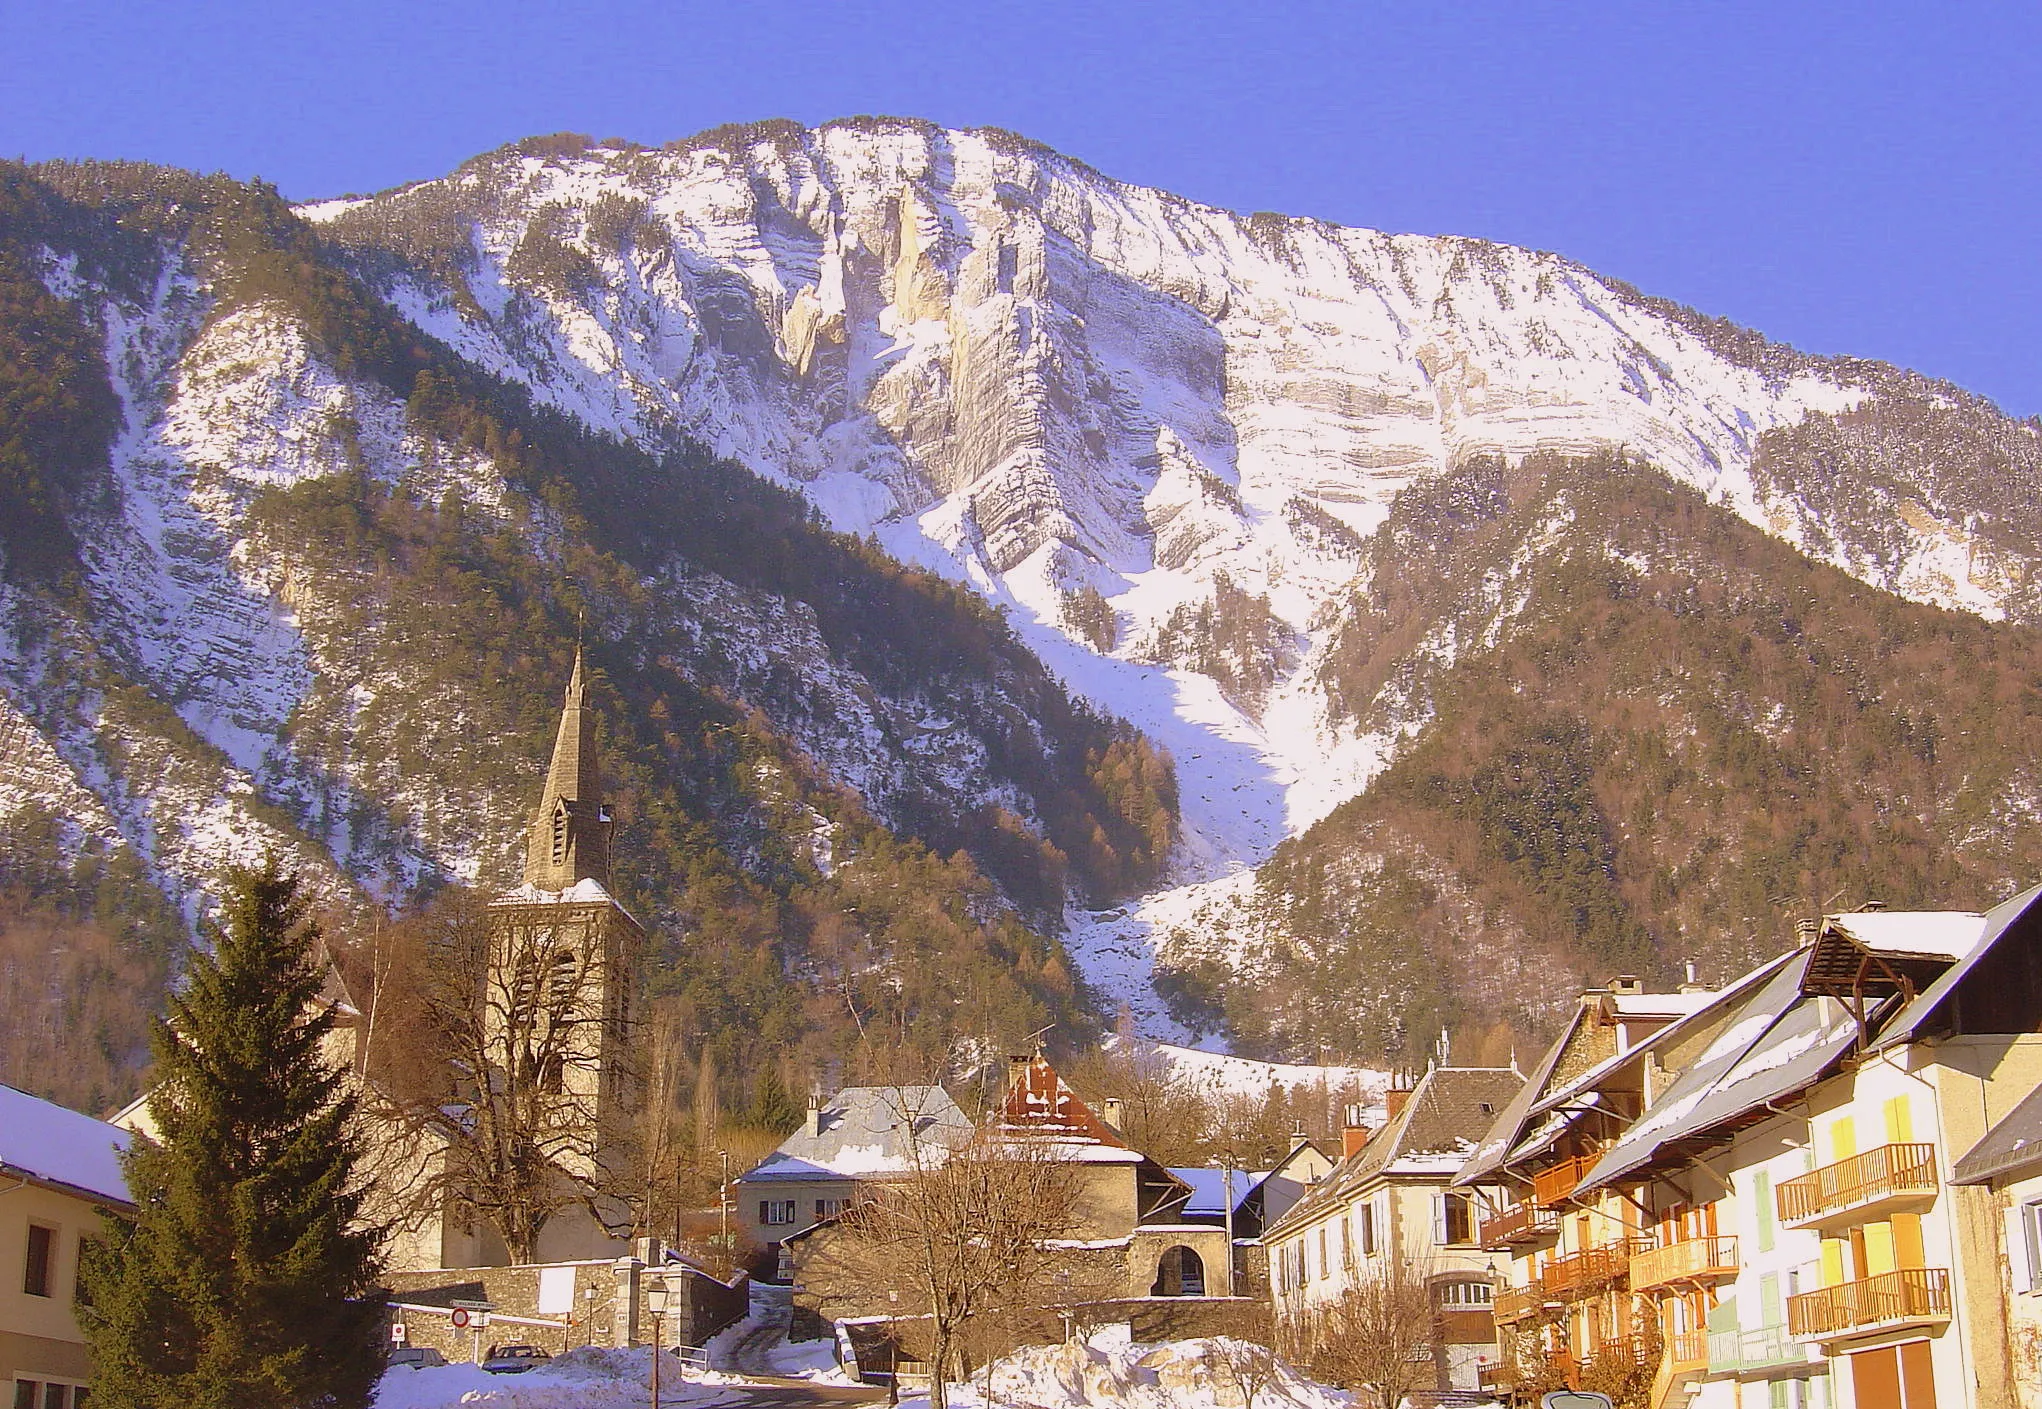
[1934, 934]
[1430, 1138]
[50, 1144]
[1776, 1040]
[865, 1132]
[1993, 925]
[586, 891]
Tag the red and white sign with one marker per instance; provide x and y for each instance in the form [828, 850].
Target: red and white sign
[397, 1333]
[460, 1318]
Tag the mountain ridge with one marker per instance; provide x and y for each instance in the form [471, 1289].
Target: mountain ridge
[1196, 461]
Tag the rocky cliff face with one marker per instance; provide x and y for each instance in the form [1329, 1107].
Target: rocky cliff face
[1193, 454]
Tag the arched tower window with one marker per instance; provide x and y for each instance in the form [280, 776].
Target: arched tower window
[560, 834]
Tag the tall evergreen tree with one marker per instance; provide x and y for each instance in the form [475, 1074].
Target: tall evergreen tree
[243, 1278]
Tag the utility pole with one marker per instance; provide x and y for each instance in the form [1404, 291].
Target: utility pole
[1227, 1180]
[723, 1203]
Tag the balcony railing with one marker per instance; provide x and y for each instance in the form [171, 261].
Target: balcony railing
[1755, 1348]
[1523, 1222]
[1891, 1299]
[1687, 1352]
[1517, 1303]
[1555, 1182]
[1696, 1260]
[1862, 1185]
[1577, 1274]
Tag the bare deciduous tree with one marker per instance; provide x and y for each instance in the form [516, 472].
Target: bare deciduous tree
[1375, 1337]
[1247, 1360]
[966, 1243]
[495, 1081]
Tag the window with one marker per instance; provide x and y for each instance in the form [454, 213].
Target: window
[776, 1213]
[1366, 1217]
[830, 1208]
[2024, 1246]
[25, 1394]
[1324, 1270]
[35, 1277]
[1465, 1296]
[559, 833]
[1453, 1219]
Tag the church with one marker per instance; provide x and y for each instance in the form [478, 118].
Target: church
[551, 1028]
[527, 1165]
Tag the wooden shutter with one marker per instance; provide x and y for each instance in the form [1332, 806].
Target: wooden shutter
[1875, 1380]
[1917, 1375]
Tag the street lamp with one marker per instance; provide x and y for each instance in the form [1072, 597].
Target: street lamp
[655, 1303]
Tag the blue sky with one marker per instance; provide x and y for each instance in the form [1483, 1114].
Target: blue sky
[1859, 179]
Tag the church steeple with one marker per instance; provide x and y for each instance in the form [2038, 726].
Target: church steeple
[570, 834]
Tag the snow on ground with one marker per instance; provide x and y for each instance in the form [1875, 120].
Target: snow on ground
[1226, 1075]
[593, 1377]
[1187, 1374]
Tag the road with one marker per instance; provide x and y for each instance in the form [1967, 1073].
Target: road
[776, 1393]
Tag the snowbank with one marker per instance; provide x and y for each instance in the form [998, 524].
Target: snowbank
[593, 1377]
[1186, 1374]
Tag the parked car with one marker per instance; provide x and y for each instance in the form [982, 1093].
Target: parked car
[418, 1357]
[514, 1359]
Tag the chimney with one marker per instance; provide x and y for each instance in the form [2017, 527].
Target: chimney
[1692, 984]
[1109, 1111]
[1017, 1069]
[1395, 1099]
[1626, 984]
[813, 1126]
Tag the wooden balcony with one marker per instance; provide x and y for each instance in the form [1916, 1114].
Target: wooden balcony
[1697, 1260]
[1523, 1222]
[1687, 1352]
[1917, 1296]
[1554, 1183]
[1580, 1274]
[1860, 1189]
[1517, 1303]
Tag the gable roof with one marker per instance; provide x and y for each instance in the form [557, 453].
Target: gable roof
[1432, 1136]
[58, 1147]
[1776, 1039]
[1040, 1106]
[1208, 1188]
[1994, 925]
[2013, 1147]
[865, 1131]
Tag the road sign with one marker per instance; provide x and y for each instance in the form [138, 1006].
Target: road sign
[460, 1318]
[397, 1333]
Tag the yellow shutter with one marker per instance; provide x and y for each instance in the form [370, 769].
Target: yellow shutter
[1907, 1248]
[1899, 1121]
[1878, 1249]
[1832, 1262]
[1843, 1139]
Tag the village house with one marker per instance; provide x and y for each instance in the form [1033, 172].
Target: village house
[61, 1172]
[1784, 1224]
[1563, 1306]
[861, 1136]
[2008, 1163]
[1389, 1209]
[1129, 1238]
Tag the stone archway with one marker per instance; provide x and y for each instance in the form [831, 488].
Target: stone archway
[1179, 1272]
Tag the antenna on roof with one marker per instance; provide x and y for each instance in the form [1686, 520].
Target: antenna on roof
[1034, 1039]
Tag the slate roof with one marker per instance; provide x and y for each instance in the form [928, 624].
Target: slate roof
[863, 1131]
[2011, 1149]
[1433, 1135]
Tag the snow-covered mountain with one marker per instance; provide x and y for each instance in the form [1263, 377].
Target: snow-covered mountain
[1168, 440]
